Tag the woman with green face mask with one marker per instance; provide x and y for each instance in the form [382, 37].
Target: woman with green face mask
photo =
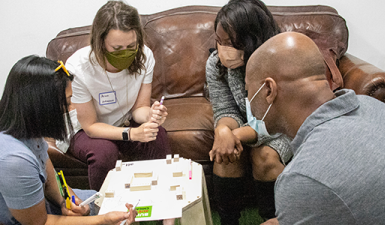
[111, 94]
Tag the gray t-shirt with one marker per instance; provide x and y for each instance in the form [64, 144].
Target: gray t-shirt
[337, 175]
[22, 174]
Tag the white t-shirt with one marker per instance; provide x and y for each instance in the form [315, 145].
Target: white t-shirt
[63, 145]
[113, 94]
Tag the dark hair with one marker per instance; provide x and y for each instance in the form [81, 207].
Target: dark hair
[248, 23]
[34, 100]
[116, 15]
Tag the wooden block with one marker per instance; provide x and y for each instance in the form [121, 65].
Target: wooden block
[177, 172]
[109, 193]
[118, 165]
[168, 159]
[154, 179]
[140, 184]
[174, 186]
[176, 158]
[143, 174]
[178, 193]
[128, 182]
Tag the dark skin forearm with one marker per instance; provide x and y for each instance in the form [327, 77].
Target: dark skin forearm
[246, 134]
[52, 192]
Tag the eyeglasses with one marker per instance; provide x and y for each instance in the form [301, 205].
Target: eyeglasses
[61, 66]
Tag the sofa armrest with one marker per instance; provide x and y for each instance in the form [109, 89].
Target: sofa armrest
[362, 77]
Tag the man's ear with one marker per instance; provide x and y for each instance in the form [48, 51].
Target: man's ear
[271, 86]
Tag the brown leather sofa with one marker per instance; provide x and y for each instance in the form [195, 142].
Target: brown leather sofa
[180, 39]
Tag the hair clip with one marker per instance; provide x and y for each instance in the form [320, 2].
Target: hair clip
[62, 67]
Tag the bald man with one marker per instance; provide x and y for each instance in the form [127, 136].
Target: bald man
[337, 175]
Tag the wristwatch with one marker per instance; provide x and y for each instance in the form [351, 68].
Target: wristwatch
[126, 134]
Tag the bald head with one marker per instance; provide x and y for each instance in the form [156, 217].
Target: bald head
[287, 56]
[293, 71]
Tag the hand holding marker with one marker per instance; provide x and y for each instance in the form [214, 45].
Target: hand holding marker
[133, 208]
[161, 103]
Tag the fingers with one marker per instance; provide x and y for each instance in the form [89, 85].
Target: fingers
[148, 132]
[75, 210]
[159, 115]
[218, 158]
[132, 214]
[226, 159]
[238, 146]
[212, 155]
[232, 158]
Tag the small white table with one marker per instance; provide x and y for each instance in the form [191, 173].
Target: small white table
[195, 203]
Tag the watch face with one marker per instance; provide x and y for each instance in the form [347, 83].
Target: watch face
[125, 135]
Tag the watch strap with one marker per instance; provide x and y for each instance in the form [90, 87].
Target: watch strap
[126, 134]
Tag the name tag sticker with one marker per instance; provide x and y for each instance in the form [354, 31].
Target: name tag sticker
[107, 98]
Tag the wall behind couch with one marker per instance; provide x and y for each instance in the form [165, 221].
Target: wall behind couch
[28, 26]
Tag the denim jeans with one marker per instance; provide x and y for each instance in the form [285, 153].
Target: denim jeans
[83, 195]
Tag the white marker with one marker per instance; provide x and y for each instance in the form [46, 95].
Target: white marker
[136, 205]
[91, 199]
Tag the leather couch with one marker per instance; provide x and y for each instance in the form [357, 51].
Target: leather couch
[180, 39]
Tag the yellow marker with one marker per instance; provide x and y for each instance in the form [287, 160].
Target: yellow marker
[67, 195]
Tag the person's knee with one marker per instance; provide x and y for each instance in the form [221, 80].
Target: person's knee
[103, 152]
[235, 169]
[266, 163]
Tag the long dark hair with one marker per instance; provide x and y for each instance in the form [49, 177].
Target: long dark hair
[34, 103]
[248, 23]
[116, 15]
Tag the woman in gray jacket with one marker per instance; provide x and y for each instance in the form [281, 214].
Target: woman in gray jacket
[241, 26]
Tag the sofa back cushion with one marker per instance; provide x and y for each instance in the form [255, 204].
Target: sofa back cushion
[180, 39]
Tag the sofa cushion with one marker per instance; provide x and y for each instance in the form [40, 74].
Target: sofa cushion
[190, 127]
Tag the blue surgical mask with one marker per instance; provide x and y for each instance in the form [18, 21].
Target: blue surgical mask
[258, 125]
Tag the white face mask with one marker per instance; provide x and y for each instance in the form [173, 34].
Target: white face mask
[258, 125]
[230, 57]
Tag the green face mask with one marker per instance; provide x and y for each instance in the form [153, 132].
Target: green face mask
[121, 59]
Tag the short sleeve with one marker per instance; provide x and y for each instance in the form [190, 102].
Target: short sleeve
[302, 200]
[74, 64]
[21, 184]
[149, 64]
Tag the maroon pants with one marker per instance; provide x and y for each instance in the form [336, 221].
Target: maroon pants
[101, 154]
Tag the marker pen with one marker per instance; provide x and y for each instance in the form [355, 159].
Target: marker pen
[190, 169]
[136, 205]
[91, 199]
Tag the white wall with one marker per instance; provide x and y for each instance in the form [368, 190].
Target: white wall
[28, 26]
